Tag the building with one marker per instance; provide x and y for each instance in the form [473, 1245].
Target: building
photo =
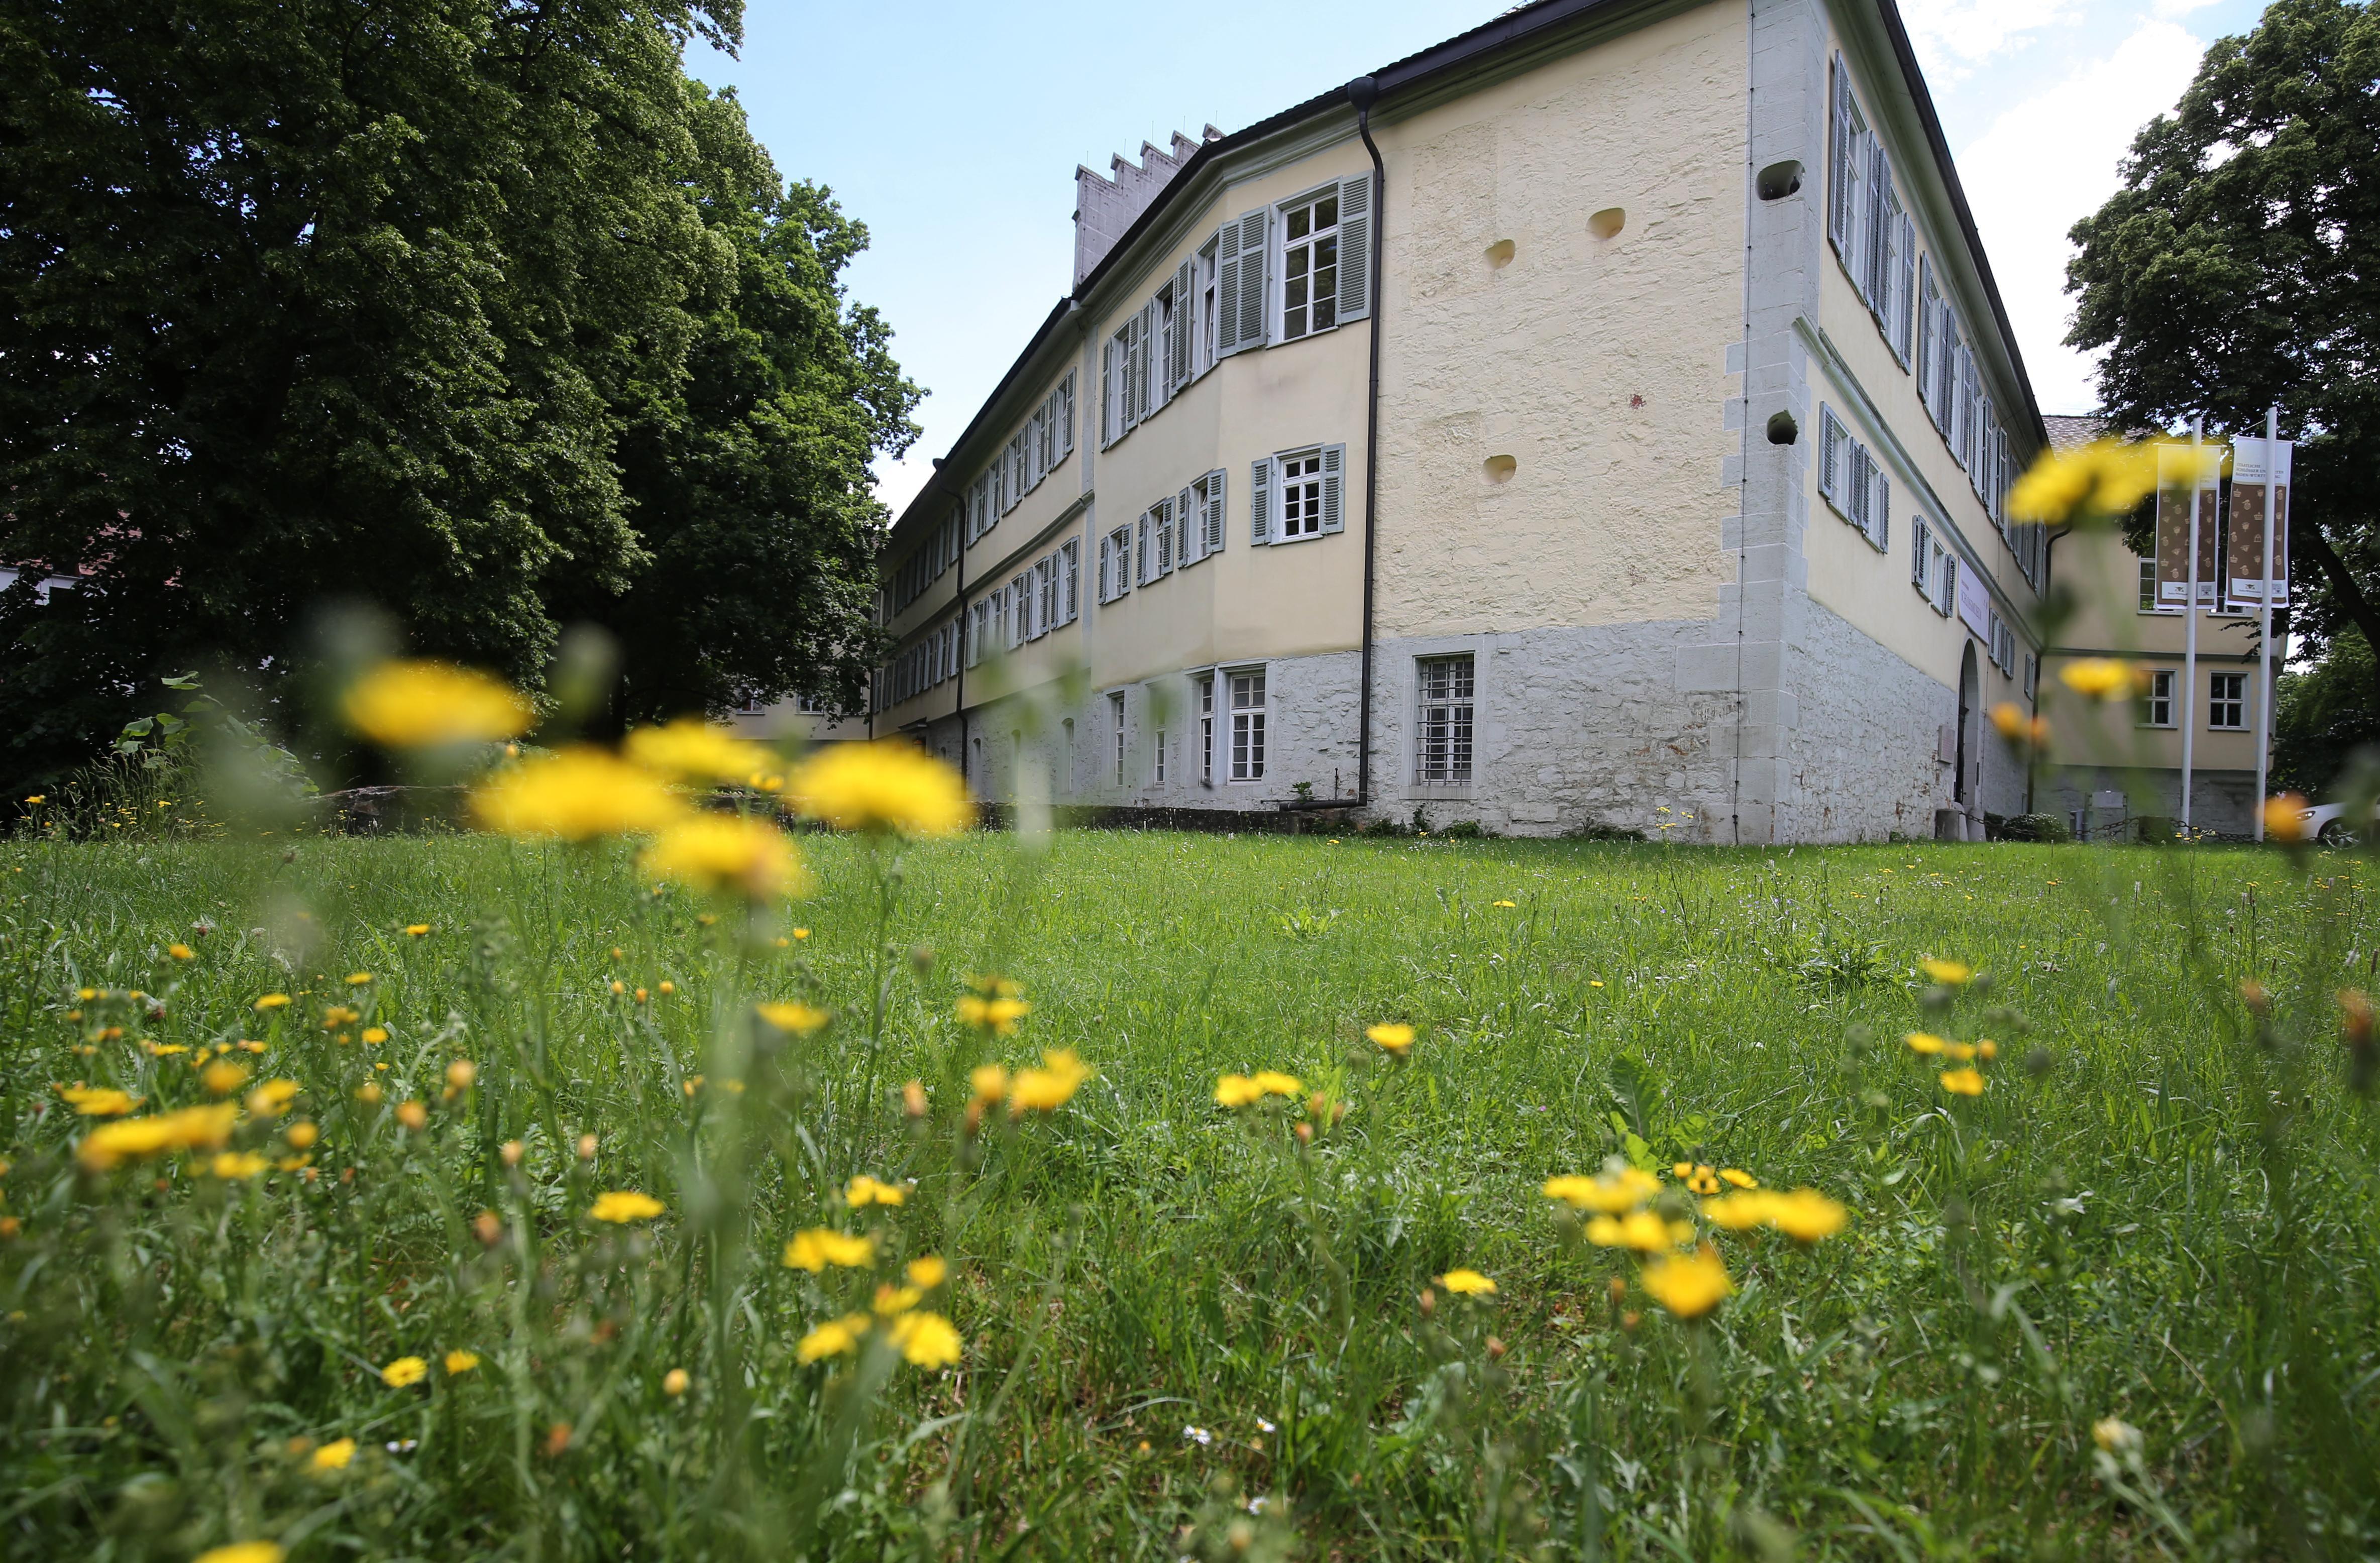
[1602, 416]
[2114, 767]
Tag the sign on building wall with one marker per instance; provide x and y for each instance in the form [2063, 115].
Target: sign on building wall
[1975, 605]
[2252, 584]
[2174, 464]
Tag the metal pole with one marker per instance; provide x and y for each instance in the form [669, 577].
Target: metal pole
[2265, 622]
[2190, 631]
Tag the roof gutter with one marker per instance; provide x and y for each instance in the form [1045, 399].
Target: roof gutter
[1364, 91]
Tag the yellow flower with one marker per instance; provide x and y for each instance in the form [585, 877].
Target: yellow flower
[415, 930]
[926, 1339]
[887, 785]
[1688, 1285]
[1739, 1212]
[1273, 1083]
[273, 1099]
[1397, 1039]
[864, 1190]
[890, 1299]
[243, 1552]
[726, 852]
[2102, 678]
[99, 1101]
[413, 1115]
[368, 1092]
[674, 1382]
[1701, 1180]
[1467, 1283]
[404, 1373]
[576, 795]
[335, 1456]
[817, 1247]
[1949, 973]
[1740, 1179]
[797, 1018]
[693, 750]
[1962, 1052]
[1962, 1082]
[459, 1361]
[1050, 1086]
[460, 1074]
[998, 1016]
[927, 1272]
[2103, 477]
[1639, 1230]
[2115, 1435]
[274, 1002]
[1237, 1091]
[623, 1206]
[834, 1338]
[1805, 1215]
[990, 1083]
[301, 1136]
[237, 1164]
[132, 1139]
[181, 951]
[37, 798]
[2285, 817]
[1513, 904]
[417, 705]
[1617, 1188]
[1924, 1042]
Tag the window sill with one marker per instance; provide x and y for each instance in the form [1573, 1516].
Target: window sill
[1427, 789]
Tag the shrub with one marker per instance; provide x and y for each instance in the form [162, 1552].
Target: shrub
[2034, 828]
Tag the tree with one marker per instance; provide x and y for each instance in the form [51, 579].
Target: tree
[2239, 267]
[437, 303]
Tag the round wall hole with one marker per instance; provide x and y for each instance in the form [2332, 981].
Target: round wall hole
[1782, 430]
[1779, 180]
[1499, 468]
[1499, 255]
[1607, 223]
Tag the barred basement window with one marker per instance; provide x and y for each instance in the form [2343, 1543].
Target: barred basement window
[1443, 724]
[1247, 727]
[2227, 702]
[1207, 731]
[1115, 722]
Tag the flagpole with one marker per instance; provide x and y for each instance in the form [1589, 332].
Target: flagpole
[2190, 633]
[2265, 622]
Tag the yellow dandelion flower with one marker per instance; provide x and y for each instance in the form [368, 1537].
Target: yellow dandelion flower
[1960, 1051]
[693, 750]
[892, 1300]
[2103, 678]
[1689, 1285]
[864, 1191]
[798, 1019]
[1237, 1091]
[358, 979]
[817, 1247]
[1740, 1178]
[1513, 904]
[2115, 1435]
[335, 1456]
[415, 930]
[989, 1082]
[1949, 973]
[413, 1115]
[461, 1361]
[243, 1552]
[926, 1339]
[576, 795]
[2102, 479]
[369, 1092]
[99, 1101]
[1273, 1083]
[726, 852]
[133, 1139]
[1739, 1212]
[404, 1373]
[1619, 1187]
[181, 952]
[1924, 1042]
[998, 1016]
[274, 1002]
[886, 785]
[927, 1272]
[301, 1136]
[273, 1099]
[1467, 1283]
[1805, 1215]
[1703, 1180]
[1392, 1038]
[229, 1165]
[835, 1338]
[674, 1382]
[1963, 1082]
[1050, 1087]
[621, 1207]
[418, 705]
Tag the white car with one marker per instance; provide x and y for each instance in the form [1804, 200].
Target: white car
[2328, 824]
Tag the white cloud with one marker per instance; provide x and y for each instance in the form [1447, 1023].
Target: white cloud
[2171, 10]
[2047, 162]
[1953, 36]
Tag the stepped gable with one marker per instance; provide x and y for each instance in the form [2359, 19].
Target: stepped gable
[1106, 205]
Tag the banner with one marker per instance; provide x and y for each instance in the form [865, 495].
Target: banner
[2173, 527]
[2250, 582]
[1975, 605]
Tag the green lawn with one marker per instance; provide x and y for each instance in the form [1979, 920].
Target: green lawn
[1187, 1332]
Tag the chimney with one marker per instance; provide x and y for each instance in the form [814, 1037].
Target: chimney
[1105, 206]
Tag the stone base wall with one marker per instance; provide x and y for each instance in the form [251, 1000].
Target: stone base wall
[2221, 801]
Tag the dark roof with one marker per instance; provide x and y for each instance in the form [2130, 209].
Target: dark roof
[2070, 430]
[1517, 26]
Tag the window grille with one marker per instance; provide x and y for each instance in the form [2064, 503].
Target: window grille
[1443, 723]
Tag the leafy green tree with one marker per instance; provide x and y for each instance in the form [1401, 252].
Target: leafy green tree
[2239, 267]
[435, 303]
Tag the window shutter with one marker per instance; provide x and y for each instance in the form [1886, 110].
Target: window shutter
[1841, 180]
[1255, 255]
[1070, 595]
[1239, 283]
[1334, 463]
[1186, 321]
[1227, 287]
[1066, 416]
[1855, 486]
[1942, 604]
[1355, 247]
[1188, 535]
[1035, 470]
[1167, 555]
[1917, 530]
[1213, 513]
[1906, 292]
[1880, 513]
[1110, 384]
[1924, 349]
[1830, 443]
[1260, 501]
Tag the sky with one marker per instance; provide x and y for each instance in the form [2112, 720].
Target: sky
[952, 131]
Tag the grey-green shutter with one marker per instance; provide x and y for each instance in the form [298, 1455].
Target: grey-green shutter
[1227, 288]
[1260, 501]
[1842, 176]
[1186, 322]
[1240, 284]
[1066, 417]
[1109, 423]
[1355, 247]
[1213, 520]
[1335, 465]
[1187, 532]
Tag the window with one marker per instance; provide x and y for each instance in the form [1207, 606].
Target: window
[1019, 595]
[2031, 676]
[1207, 731]
[1045, 439]
[1115, 564]
[1045, 591]
[2156, 707]
[1070, 581]
[1443, 724]
[1309, 266]
[1850, 480]
[1206, 305]
[1248, 728]
[1066, 759]
[812, 705]
[1295, 494]
[1115, 722]
[2148, 586]
[1154, 549]
[1157, 768]
[2227, 702]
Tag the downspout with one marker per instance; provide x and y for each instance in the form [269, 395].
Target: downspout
[1364, 91]
[958, 590]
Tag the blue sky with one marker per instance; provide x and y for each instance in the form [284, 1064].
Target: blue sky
[952, 131]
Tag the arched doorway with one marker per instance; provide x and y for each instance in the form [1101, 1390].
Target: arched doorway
[1969, 695]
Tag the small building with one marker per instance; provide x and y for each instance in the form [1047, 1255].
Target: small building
[1603, 417]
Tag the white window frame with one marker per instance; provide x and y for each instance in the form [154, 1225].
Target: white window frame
[1115, 722]
[1207, 729]
[1250, 697]
[2234, 702]
[1445, 718]
[1317, 234]
[2157, 706]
